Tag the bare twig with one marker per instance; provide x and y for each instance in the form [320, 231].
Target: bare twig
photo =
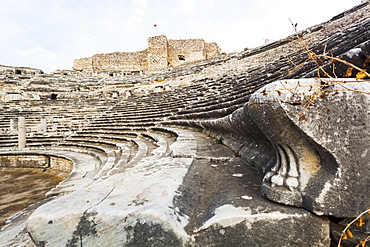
[348, 226]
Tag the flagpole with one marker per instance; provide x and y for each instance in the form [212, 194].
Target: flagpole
[156, 29]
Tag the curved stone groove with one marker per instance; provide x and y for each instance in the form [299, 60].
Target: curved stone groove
[321, 166]
[285, 172]
[292, 180]
[278, 179]
[273, 170]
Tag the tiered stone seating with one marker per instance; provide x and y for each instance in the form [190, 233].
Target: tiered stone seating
[237, 88]
[130, 170]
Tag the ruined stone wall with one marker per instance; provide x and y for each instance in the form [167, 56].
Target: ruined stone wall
[211, 50]
[61, 164]
[160, 54]
[82, 63]
[157, 53]
[185, 51]
[36, 161]
[124, 61]
[24, 161]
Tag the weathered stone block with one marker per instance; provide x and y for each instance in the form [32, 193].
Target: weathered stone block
[107, 212]
[321, 138]
[241, 227]
[176, 201]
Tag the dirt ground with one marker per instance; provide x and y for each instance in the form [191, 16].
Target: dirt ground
[22, 187]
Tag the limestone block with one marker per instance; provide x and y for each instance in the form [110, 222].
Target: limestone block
[321, 139]
[105, 213]
[21, 132]
[238, 226]
[14, 96]
[43, 125]
[13, 126]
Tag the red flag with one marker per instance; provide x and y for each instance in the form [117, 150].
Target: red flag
[155, 25]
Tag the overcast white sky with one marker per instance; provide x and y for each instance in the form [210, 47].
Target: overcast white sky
[49, 34]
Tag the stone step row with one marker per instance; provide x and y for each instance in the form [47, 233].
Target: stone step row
[187, 202]
[113, 149]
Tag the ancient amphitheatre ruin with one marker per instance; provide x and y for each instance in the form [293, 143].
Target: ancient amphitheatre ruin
[265, 147]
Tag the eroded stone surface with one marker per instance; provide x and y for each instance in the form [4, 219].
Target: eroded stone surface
[321, 145]
[175, 201]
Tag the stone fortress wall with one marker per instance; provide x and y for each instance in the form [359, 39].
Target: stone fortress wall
[157, 55]
[127, 61]
[161, 54]
[83, 63]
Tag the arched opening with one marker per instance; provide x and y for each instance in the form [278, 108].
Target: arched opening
[181, 58]
[53, 96]
[18, 72]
